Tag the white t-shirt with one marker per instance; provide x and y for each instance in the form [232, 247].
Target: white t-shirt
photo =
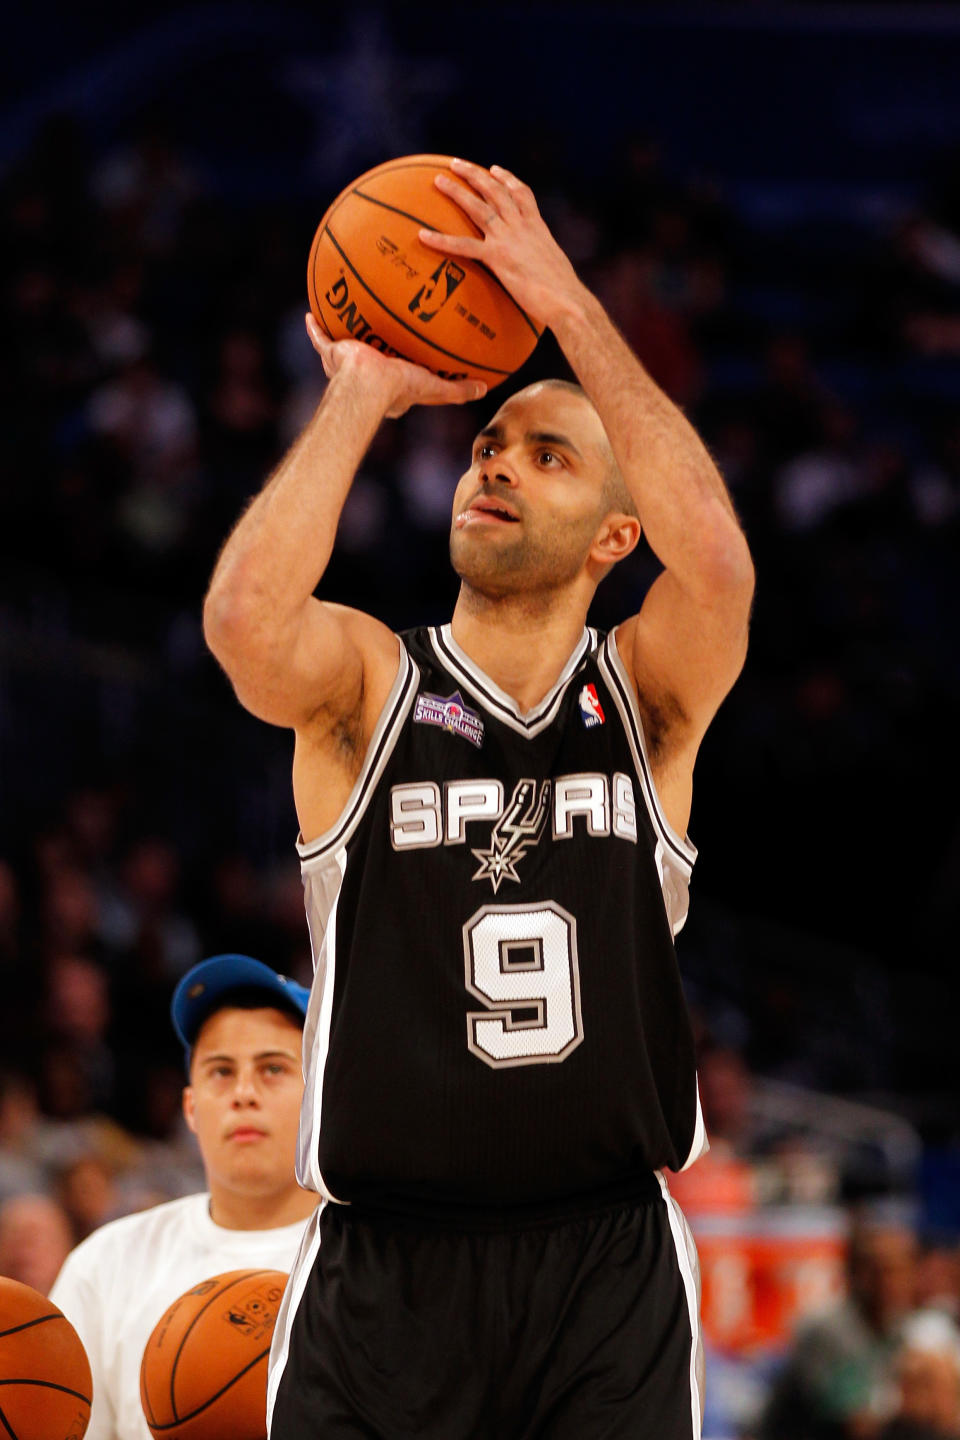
[117, 1283]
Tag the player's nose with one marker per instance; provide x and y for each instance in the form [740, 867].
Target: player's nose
[499, 470]
[245, 1090]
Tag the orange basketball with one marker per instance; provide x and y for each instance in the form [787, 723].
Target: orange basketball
[370, 278]
[45, 1384]
[204, 1369]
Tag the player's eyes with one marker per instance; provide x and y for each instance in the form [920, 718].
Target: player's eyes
[547, 457]
[485, 452]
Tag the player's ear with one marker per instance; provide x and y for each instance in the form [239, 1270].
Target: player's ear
[188, 1108]
[617, 536]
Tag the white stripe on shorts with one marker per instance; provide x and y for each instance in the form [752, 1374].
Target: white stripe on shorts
[289, 1305]
[690, 1271]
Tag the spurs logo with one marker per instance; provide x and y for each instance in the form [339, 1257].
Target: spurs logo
[423, 816]
[516, 832]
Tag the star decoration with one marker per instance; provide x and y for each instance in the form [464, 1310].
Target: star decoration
[368, 100]
[496, 865]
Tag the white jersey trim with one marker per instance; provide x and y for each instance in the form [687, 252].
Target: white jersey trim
[690, 1274]
[381, 745]
[316, 1044]
[503, 706]
[289, 1305]
[614, 672]
[700, 1143]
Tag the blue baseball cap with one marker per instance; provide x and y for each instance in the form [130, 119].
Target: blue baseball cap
[208, 986]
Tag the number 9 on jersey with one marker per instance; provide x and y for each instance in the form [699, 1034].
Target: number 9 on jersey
[521, 964]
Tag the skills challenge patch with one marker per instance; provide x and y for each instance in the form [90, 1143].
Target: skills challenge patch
[449, 714]
[591, 711]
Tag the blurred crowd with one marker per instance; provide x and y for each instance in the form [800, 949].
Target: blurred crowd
[824, 1318]
[155, 367]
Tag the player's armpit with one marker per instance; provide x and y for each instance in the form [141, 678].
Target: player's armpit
[683, 652]
[332, 743]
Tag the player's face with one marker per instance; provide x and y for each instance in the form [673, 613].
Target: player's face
[243, 1100]
[527, 511]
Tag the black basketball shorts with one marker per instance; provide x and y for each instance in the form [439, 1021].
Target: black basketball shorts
[585, 1328]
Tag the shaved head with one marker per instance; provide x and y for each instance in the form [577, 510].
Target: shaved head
[616, 496]
[545, 457]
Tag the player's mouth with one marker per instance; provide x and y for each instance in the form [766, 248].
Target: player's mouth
[246, 1135]
[486, 510]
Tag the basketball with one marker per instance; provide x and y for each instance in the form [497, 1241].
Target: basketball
[204, 1369]
[370, 278]
[45, 1383]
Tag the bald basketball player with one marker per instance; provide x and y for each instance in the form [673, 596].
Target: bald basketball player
[493, 821]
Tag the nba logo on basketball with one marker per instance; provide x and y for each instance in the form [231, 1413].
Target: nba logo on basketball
[591, 711]
[433, 291]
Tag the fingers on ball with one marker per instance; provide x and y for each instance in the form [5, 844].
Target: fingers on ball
[394, 265]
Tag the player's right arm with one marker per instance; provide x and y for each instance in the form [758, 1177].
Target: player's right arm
[321, 669]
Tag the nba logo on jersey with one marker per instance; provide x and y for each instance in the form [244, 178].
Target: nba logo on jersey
[591, 711]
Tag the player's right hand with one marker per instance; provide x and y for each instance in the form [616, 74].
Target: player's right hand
[515, 241]
[402, 383]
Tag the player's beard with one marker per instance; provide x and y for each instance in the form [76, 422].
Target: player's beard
[526, 564]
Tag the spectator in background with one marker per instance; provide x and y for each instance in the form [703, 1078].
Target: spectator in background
[788, 405]
[140, 916]
[818, 482]
[723, 1179]
[77, 1021]
[9, 918]
[37, 1150]
[65, 1095]
[86, 1190]
[233, 905]
[149, 422]
[116, 333]
[241, 412]
[928, 288]
[241, 1027]
[34, 1240]
[21, 1168]
[145, 188]
[19, 982]
[91, 820]
[928, 1381]
[938, 1278]
[69, 908]
[659, 334]
[834, 1383]
[935, 488]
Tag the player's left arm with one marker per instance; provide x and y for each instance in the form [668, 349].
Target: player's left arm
[686, 647]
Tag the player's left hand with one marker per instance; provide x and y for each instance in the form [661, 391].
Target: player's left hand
[516, 243]
[400, 382]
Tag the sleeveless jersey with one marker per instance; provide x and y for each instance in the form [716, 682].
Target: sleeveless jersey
[497, 1016]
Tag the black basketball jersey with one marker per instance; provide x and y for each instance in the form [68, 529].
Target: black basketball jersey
[497, 1015]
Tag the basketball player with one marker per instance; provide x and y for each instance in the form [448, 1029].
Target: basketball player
[241, 1025]
[493, 817]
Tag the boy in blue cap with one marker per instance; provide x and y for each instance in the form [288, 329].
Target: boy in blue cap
[241, 1025]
